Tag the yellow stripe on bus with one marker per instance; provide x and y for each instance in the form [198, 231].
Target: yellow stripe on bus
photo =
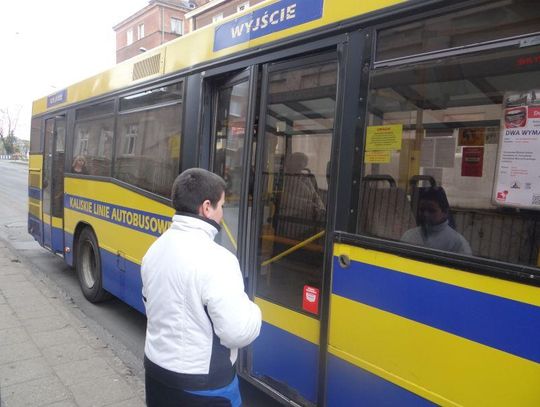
[111, 193]
[57, 222]
[417, 357]
[111, 236]
[35, 162]
[34, 207]
[293, 322]
[502, 288]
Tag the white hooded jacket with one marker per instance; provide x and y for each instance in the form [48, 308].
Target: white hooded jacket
[198, 313]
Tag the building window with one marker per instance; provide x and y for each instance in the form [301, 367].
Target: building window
[81, 143]
[177, 26]
[140, 31]
[129, 34]
[130, 137]
[217, 17]
[242, 7]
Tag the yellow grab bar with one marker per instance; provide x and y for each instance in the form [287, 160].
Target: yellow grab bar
[293, 249]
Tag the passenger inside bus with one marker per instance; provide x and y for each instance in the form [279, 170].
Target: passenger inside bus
[79, 165]
[434, 230]
[301, 208]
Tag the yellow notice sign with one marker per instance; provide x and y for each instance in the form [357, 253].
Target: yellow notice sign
[384, 137]
[377, 157]
[174, 146]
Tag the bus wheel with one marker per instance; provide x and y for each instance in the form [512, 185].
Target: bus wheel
[88, 265]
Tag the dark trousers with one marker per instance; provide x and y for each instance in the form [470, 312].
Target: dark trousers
[160, 395]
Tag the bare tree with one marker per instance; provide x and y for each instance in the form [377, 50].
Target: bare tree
[9, 117]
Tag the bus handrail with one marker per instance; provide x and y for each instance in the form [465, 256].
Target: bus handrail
[293, 249]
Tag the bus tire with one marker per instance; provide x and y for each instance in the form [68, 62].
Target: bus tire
[88, 266]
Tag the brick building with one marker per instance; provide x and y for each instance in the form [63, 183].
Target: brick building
[160, 21]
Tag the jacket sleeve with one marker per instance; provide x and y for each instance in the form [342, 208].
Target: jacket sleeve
[236, 319]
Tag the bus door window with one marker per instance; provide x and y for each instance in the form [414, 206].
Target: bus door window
[58, 167]
[229, 143]
[297, 142]
[47, 166]
[53, 179]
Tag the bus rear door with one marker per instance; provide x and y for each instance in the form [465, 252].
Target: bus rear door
[53, 183]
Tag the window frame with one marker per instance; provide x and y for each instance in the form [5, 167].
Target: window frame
[480, 265]
[175, 21]
[129, 36]
[119, 152]
[140, 31]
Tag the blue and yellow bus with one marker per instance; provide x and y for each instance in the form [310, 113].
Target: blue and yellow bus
[382, 162]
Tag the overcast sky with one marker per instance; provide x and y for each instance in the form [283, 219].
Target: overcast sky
[49, 44]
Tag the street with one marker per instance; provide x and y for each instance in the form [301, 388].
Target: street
[121, 327]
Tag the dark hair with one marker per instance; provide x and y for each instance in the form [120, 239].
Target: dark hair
[437, 195]
[296, 162]
[194, 186]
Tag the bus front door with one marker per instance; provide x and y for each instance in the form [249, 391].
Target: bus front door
[276, 168]
[53, 183]
[295, 137]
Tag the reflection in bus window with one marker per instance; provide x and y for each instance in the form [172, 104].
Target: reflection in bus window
[230, 129]
[434, 228]
[148, 141]
[444, 122]
[297, 147]
[93, 140]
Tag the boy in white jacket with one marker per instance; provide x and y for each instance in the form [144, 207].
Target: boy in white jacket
[198, 313]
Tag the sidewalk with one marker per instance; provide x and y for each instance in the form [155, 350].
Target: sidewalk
[48, 357]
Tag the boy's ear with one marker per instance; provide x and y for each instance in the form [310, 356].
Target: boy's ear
[203, 209]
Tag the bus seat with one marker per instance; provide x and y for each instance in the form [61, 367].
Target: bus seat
[386, 210]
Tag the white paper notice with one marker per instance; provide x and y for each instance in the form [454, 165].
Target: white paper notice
[518, 169]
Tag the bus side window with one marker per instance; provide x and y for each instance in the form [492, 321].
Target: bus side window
[445, 127]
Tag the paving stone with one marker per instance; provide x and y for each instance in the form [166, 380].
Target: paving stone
[70, 352]
[8, 320]
[93, 340]
[102, 391]
[19, 289]
[13, 278]
[5, 309]
[37, 392]
[83, 370]
[12, 335]
[23, 371]
[22, 302]
[48, 356]
[7, 270]
[18, 351]
[35, 311]
[44, 324]
[56, 337]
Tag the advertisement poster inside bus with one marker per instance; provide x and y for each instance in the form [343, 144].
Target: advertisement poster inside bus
[518, 169]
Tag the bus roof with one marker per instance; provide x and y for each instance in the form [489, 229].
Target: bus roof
[226, 37]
